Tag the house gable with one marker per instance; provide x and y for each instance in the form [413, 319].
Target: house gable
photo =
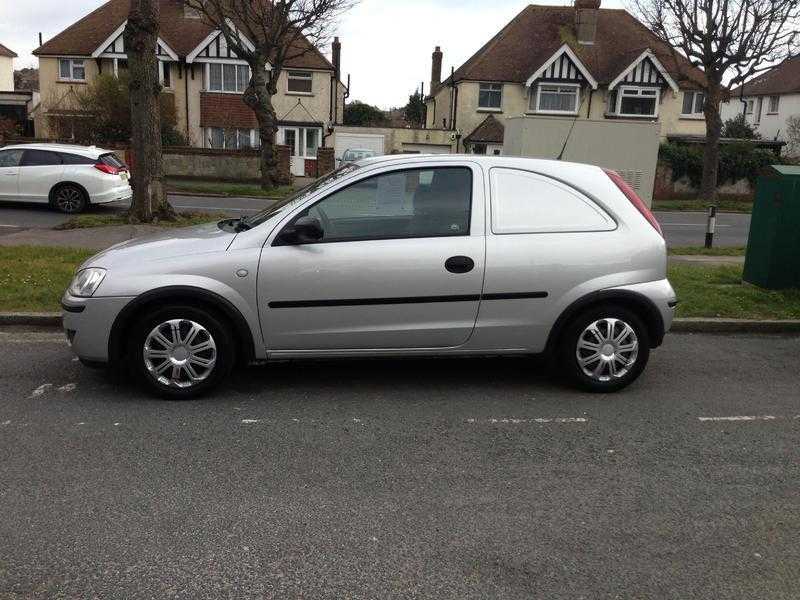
[563, 65]
[645, 70]
[215, 47]
[114, 47]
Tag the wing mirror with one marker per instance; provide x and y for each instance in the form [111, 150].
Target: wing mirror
[304, 230]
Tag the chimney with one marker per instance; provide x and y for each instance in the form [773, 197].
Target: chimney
[436, 68]
[336, 57]
[586, 20]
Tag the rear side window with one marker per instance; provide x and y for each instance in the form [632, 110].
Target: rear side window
[40, 158]
[10, 158]
[525, 202]
[76, 159]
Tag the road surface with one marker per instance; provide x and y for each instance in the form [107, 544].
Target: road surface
[472, 478]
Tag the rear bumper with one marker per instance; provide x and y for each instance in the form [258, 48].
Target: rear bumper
[116, 194]
[88, 323]
[662, 297]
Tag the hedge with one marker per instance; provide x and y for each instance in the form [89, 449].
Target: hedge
[741, 160]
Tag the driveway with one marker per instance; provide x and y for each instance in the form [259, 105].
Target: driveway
[472, 478]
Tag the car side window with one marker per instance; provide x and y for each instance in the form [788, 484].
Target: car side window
[525, 202]
[10, 158]
[40, 158]
[412, 203]
[76, 159]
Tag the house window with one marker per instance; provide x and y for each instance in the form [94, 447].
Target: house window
[774, 104]
[71, 69]
[556, 99]
[312, 142]
[490, 96]
[693, 103]
[748, 107]
[300, 82]
[164, 74]
[228, 78]
[232, 139]
[637, 102]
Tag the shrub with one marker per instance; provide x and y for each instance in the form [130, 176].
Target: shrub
[741, 160]
[739, 128]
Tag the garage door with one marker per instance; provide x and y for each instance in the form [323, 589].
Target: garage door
[359, 141]
[426, 149]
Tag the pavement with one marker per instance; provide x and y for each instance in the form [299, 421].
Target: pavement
[680, 228]
[469, 478]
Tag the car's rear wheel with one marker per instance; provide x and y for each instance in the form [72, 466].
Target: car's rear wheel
[181, 352]
[69, 199]
[605, 349]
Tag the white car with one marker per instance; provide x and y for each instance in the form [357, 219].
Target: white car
[69, 178]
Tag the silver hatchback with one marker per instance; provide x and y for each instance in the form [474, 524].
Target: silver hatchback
[391, 256]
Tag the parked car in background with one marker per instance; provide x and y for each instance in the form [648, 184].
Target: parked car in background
[351, 156]
[391, 256]
[68, 178]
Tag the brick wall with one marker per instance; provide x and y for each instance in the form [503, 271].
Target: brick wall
[225, 110]
[222, 165]
[326, 160]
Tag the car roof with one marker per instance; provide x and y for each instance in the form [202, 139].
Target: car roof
[512, 162]
[88, 151]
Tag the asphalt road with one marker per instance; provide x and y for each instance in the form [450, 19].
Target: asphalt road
[680, 228]
[471, 478]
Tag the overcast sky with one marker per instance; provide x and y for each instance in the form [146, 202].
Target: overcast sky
[386, 44]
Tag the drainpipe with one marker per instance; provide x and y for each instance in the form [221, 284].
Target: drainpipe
[186, 68]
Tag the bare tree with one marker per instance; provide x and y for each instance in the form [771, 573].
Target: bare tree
[731, 41]
[141, 40]
[278, 32]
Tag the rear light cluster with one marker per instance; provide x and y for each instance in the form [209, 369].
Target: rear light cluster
[634, 199]
[107, 168]
[110, 164]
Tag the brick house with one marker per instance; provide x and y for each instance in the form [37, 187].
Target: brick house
[202, 77]
[584, 62]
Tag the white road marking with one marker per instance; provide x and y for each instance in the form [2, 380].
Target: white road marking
[4, 423]
[70, 387]
[11, 226]
[539, 420]
[39, 391]
[82, 423]
[692, 225]
[250, 421]
[738, 418]
[117, 424]
[356, 420]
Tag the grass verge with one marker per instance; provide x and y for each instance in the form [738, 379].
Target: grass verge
[724, 205]
[33, 278]
[718, 291]
[228, 189]
[90, 220]
[700, 250]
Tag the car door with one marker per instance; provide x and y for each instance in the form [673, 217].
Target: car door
[400, 265]
[9, 173]
[39, 172]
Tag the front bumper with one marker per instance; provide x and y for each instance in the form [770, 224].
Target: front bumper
[88, 323]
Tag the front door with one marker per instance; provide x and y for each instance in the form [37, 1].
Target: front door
[400, 265]
[9, 173]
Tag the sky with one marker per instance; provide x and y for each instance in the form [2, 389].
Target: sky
[386, 44]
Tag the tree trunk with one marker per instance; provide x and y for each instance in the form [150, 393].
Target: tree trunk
[258, 97]
[147, 175]
[708, 188]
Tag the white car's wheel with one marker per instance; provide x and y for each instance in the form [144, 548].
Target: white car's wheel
[69, 199]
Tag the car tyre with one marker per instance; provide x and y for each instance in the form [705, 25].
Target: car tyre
[604, 349]
[69, 199]
[181, 352]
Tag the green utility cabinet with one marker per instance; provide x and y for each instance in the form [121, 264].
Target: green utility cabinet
[773, 251]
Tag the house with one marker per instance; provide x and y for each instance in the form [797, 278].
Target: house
[769, 100]
[202, 77]
[581, 62]
[15, 106]
[6, 69]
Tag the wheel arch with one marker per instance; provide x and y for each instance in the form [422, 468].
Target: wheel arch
[634, 301]
[193, 296]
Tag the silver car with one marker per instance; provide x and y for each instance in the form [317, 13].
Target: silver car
[391, 256]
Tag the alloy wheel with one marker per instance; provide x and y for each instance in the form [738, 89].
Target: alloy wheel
[607, 349]
[180, 353]
[69, 199]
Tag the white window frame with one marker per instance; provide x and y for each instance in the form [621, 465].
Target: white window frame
[639, 89]
[490, 84]
[749, 105]
[222, 64]
[72, 64]
[254, 137]
[776, 110]
[695, 114]
[538, 110]
[299, 75]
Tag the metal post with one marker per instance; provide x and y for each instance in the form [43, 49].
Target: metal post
[711, 226]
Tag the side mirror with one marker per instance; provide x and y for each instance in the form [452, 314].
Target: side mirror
[303, 231]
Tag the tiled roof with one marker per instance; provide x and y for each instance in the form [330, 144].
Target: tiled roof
[490, 131]
[7, 52]
[535, 34]
[182, 34]
[782, 79]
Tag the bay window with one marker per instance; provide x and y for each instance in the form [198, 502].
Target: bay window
[637, 102]
[71, 69]
[229, 78]
[556, 98]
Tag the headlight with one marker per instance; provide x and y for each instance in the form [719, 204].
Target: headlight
[86, 282]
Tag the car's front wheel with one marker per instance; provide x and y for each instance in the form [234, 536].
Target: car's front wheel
[181, 352]
[69, 199]
[605, 349]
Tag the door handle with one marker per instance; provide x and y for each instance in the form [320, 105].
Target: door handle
[459, 264]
